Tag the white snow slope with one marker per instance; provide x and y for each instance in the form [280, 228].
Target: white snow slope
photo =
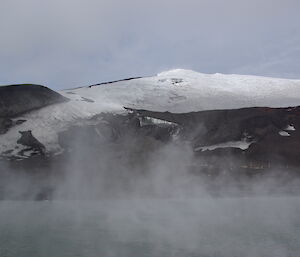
[175, 91]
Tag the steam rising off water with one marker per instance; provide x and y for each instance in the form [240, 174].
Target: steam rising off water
[148, 204]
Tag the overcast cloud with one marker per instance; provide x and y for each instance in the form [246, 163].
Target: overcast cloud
[69, 43]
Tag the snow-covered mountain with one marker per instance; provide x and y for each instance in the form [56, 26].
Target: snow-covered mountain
[176, 91]
[179, 123]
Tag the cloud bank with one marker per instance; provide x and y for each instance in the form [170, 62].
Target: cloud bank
[68, 43]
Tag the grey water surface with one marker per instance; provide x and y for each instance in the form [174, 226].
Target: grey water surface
[219, 227]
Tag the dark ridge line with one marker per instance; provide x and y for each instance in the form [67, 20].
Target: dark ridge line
[23, 84]
[17, 99]
[263, 108]
[111, 82]
[108, 82]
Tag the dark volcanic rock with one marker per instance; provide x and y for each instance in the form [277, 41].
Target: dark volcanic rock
[27, 139]
[18, 99]
[259, 125]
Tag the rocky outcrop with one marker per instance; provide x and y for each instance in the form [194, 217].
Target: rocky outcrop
[31, 143]
[272, 134]
[18, 99]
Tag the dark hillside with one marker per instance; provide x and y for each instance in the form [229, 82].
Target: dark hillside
[18, 99]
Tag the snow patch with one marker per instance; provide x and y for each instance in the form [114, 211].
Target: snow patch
[290, 128]
[284, 133]
[230, 144]
[149, 120]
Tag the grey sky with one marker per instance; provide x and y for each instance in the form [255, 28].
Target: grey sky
[68, 43]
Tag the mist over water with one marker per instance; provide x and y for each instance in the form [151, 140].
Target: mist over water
[137, 197]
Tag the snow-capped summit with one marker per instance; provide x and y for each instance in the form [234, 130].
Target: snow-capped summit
[231, 91]
[178, 72]
[185, 90]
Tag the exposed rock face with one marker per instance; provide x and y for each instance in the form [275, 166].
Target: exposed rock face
[18, 99]
[32, 144]
[259, 138]
[272, 134]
